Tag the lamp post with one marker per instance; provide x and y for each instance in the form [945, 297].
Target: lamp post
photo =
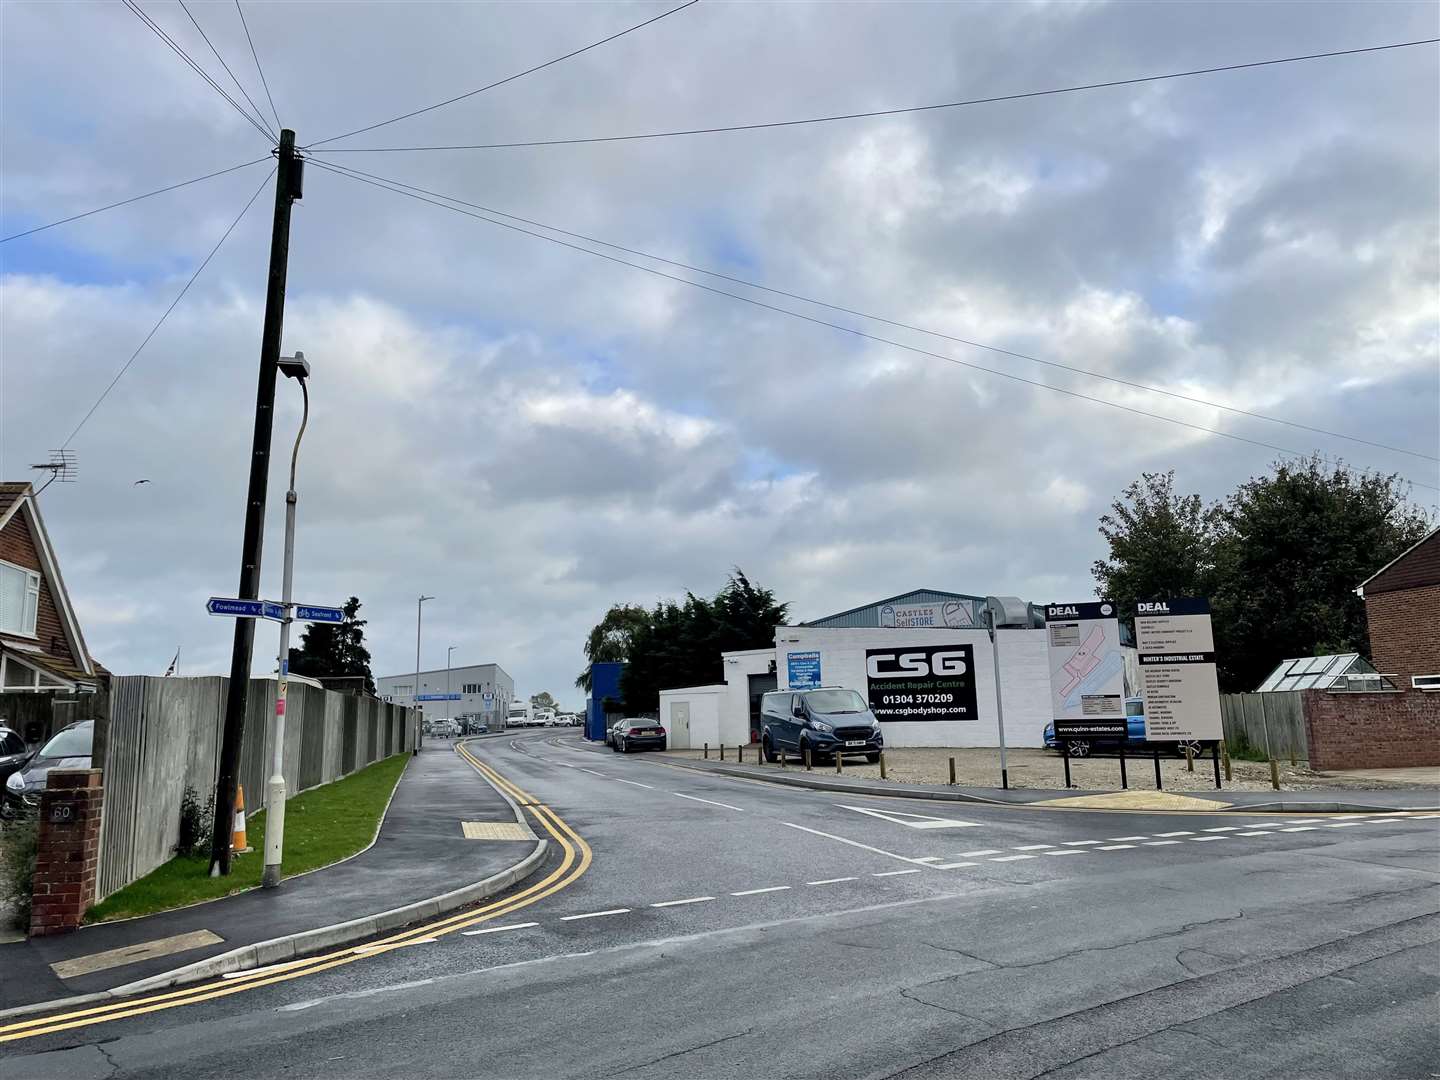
[448, 653]
[293, 367]
[415, 702]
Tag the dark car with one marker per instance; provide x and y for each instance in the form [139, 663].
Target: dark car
[70, 748]
[825, 721]
[637, 735]
[1135, 741]
[13, 753]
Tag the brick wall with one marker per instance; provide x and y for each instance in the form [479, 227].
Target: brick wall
[1405, 632]
[1372, 731]
[18, 547]
[67, 858]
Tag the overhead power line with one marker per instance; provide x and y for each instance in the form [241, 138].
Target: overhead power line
[901, 325]
[263, 81]
[161, 321]
[507, 79]
[255, 109]
[133, 198]
[180, 52]
[833, 325]
[993, 99]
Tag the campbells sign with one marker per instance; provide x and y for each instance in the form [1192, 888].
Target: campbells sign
[921, 683]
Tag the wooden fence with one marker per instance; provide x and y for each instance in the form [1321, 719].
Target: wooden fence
[1273, 723]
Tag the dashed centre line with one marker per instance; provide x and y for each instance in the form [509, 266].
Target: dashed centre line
[594, 914]
[711, 802]
[830, 881]
[634, 783]
[783, 888]
[498, 929]
[897, 873]
[687, 900]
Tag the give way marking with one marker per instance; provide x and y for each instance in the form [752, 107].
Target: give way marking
[913, 821]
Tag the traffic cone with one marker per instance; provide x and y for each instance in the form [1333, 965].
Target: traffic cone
[238, 844]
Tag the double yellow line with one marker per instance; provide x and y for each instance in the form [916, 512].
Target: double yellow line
[575, 861]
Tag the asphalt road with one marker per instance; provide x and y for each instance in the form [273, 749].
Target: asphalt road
[728, 928]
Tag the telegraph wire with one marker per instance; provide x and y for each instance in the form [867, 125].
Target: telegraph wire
[180, 52]
[263, 81]
[881, 112]
[161, 321]
[507, 79]
[838, 326]
[901, 325]
[133, 198]
[274, 135]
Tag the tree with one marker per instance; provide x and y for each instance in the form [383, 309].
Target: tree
[542, 700]
[1293, 547]
[610, 639]
[1161, 544]
[336, 650]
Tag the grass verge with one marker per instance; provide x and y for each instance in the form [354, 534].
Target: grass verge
[322, 826]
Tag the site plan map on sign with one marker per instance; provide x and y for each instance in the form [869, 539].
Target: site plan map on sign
[1087, 668]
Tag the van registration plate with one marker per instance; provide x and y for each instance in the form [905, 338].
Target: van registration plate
[854, 742]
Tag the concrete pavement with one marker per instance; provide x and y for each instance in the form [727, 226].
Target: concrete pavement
[733, 929]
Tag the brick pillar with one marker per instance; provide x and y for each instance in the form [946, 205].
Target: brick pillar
[68, 854]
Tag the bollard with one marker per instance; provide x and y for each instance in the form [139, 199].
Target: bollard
[1274, 774]
[1225, 759]
[739, 752]
[1065, 753]
[1124, 780]
[805, 757]
[722, 751]
[839, 758]
[707, 751]
[882, 764]
[1157, 769]
[1293, 762]
[952, 772]
[1189, 758]
[1215, 760]
[780, 750]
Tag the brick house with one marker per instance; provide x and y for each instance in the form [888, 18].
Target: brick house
[41, 647]
[1402, 606]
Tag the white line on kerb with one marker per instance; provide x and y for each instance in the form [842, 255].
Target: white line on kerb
[829, 881]
[696, 798]
[594, 914]
[852, 843]
[776, 888]
[687, 900]
[633, 783]
[498, 929]
[897, 873]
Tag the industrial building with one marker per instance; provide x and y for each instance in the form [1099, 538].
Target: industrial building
[475, 691]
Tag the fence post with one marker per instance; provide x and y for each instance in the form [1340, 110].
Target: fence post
[1124, 780]
[1189, 757]
[882, 764]
[1215, 758]
[1274, 774]
[952, 772]
[739, 752]
[839, 758]
[1065, 753]
[1225, 757]
[722, 751]
[1157, 769]
[805, 756]
[707, 751]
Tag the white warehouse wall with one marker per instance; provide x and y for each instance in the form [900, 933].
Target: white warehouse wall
[1024, 673]
[705, 704]
[735, 713]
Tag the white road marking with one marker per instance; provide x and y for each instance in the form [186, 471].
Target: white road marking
[633, 783]
[1079, 843]
[595, 914]
[267, 969]
[1305, 821]
[1032, 847]
[941, 866]
[897, 873]
[852, 843]
[1343, 824]
[1223, 828]
[1065, 851]
[782, 888]
[382, 946]
[928, 858]
[1424, 817]
[916, 821]
[1257, 832]
[1179, 832]
[1122, 839]
[592, 772]
[830, 881]
[1202, 839]
[498, 929]
[1116, 847]
[1012, 858]
[1160, 843]
[1300, 828]
[982, 851]
[712, 802]
[687, 900]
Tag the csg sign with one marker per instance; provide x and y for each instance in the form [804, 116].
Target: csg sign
[921, 683]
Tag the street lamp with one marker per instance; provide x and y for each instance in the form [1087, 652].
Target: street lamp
[298, 368]
[415, 701]
[447, 679]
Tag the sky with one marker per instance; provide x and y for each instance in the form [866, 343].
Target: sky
[531, 433]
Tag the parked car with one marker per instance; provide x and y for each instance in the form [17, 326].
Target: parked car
[825, 721]
[611, 730]
[1134, 741]
[637, 735]
[69, 748]
[13, 753]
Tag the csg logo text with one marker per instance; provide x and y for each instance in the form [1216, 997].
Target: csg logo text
[921, 662]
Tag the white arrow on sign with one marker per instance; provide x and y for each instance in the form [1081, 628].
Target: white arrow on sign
[913, 821]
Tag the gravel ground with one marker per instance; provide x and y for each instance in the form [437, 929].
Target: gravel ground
[1033, 768]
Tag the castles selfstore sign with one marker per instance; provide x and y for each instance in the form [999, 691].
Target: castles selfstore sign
[1176, 646]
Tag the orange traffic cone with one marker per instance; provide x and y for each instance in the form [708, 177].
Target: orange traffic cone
[238, 844]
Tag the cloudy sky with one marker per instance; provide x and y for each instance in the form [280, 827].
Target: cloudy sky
[532, 433]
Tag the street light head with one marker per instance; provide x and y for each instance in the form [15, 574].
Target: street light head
[295, 367]
[424, 598]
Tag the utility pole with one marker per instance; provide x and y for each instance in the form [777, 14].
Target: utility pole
[288, 188]
[419, 719]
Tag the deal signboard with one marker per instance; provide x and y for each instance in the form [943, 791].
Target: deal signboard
[1087, 670]
[921, 683]
[1176, 646]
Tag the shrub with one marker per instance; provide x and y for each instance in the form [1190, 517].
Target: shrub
[19, 841]
[196, 822]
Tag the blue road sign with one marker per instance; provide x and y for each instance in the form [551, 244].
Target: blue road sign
[438, 697]
[240, 609]
[307, 613]
[274, 611]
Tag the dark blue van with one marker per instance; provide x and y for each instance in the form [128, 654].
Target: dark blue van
[825, 720]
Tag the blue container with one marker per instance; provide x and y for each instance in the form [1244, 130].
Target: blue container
[604, 683]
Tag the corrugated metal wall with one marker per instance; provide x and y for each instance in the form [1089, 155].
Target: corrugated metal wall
[870, 615]
[164, 736]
